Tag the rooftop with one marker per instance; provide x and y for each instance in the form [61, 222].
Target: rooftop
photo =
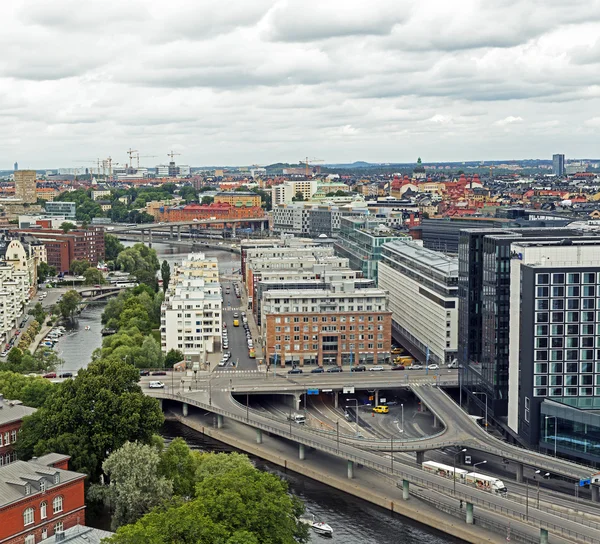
[13, 410]
[79, 534]
[428, 257]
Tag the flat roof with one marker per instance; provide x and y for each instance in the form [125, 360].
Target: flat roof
[13, 411]
[428, 257]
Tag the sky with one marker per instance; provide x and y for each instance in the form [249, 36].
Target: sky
[242, 82]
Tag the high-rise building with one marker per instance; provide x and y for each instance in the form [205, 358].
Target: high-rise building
[16, 166]
[25, 186]
[558, 164]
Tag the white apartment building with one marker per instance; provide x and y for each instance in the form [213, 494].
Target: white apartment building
[423, 294]
[284, 193]
[14, 295]
[191, 319]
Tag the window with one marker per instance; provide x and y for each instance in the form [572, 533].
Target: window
[28, 516]
[558, 279]
[543, 279]
[57, 504]
[43, 510]
[30, 539]
[13, 436]
[557, 330]
[57, 478]
[58, 526]
[27, 486]
[42, 485]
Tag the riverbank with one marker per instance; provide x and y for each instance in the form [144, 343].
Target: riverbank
[367, 484]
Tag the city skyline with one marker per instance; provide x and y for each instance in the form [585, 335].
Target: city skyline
[273, 81]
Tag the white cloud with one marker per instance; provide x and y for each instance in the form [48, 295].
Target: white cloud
[243, 82]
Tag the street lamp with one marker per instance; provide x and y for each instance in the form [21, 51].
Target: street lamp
[454, 467]
[486, 406]
[402, 406]
[480, 463]
[546, 418]
[356, 401]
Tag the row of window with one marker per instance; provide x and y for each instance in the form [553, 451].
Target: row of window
[585, 329]
[315, 328]
[568, 317]
[570, 291]
[328, 319]
[325, 307]
[558, 278]
[8, 437]
[315, 347]
[566, 368]
[30, 539]
[569, 304]
[29, 513]
[7, 458]
[287, 338]
[567, 355]
[566, 392]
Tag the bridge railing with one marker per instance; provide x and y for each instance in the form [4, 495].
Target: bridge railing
[474, 497]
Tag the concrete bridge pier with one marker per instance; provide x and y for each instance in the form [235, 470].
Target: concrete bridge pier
[149, 237]
[184, 408]
[336, 399]
[376, 397]
[595, 493]
[436, 423]
[301, 452]
[469, 519]
[160, 403]
[219, 421]
[170, 233]
[543, 536]
[350, 470]
[519, 473]
[405, 490]
[142, 235]
[297, 400]
[258, 436]
[233, 230]
[420, 457]
[179, 233]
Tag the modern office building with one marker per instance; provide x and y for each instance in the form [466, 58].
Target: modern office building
[339, 326]
[558, 165]
[554, 360]
[422, 286]
[311, 218]
[191, 314]
[61, 209]
[25, 185]
[361, 240]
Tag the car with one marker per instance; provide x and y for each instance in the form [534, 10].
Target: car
[144, 373]
[397, 367]
[65, 375]
[359, 368]
[159, 373]
[334, 369]
[156, 385]
[4, 353]
[236, 322]
[317, 370]
[224, 326]
[195, 220]
[225, 345]
[377, 368]
[80, 277]
[415, 367]
[433, 367]
[381, 409]
[235, 315]
[397, 350]
[295, 371]
[50, 375]
[243, 314]
[223, 361]
[227, 355]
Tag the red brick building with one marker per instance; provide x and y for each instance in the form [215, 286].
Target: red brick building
[11, 417]
[63, 248]
[223, 211]
[38, 498]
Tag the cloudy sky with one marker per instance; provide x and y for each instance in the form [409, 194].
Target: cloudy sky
[260, 81]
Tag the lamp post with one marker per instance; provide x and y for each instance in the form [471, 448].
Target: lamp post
[486, 407]
[402, 406]
[392, 451]
[546, 418]
[480, 463]
[454, 467]
[356, 401]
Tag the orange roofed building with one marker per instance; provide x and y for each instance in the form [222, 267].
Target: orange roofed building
[221, 211]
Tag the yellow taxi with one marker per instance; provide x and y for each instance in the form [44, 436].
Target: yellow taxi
[396, 350]
[381, 409]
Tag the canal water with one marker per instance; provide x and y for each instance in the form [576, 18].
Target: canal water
[353, 521]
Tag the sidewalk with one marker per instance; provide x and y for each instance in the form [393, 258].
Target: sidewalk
[258, 346]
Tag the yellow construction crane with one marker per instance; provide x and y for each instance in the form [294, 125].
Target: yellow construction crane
[308, 162]
[172, 155]
[143, 157]
[131, 153]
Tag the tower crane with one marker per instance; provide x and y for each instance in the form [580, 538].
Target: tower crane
[138, 156]
[172, 154]
[308, 162]
[131, 152]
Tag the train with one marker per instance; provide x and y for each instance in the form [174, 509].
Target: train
[480, 481]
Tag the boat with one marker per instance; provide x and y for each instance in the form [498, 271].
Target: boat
[106, 331]
[318, 527]
[87, 328]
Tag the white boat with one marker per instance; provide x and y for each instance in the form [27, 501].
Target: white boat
[87, 327]
[318, 527]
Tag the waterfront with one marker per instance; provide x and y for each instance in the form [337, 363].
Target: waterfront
[353, 521]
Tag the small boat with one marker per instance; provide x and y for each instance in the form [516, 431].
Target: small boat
[318, 527]
[87, 328]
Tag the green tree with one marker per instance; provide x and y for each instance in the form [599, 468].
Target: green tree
[179, 464]
[234, 503]
[135, 484]
[38, 312]
[78, 267]
[112, 247]
[299, 197]
[66, 226]
[151, 354]
[15, 356]
[91, 416]
[207, 200]
[44, 270]
[68, 304]
[140, 261]
[173, 357]
[30, 391]
[93, 276]
[165, 274]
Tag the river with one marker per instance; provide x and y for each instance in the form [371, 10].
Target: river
[353, 521]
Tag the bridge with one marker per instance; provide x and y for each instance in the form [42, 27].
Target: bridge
[456, 427]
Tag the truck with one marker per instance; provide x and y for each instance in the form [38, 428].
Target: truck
[444, 471]
[490, 484]
[300, 419]
[404, 360]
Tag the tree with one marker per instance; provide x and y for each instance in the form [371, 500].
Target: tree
[30, 391]
[78, 267]
[38, 312]
[142, 262]
[112, 247]
[66, 226]
[299, 197]
[165, 274]
[69, 303]
[234, 503]
[91, 416]
[173, 356]
[15, 356]
[43, 271]
[179, 464]
[207, 199]
[93, 276]
[135, 484]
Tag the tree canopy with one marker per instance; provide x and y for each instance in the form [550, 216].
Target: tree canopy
[78, 267]
[69, 303]
[66, 226]
[93, 276]
[165, 273]
[44, 270]
[112, 247]
[140, 261]
[30, 391]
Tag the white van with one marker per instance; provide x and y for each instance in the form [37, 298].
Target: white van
[297, 418]
[156, 385]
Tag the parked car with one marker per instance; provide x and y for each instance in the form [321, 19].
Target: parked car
[65, 375]
[235, 315]
[144, 373]
[4, 353]
[415, 367]
[159, 373]
[359, 368]
[295, 371]
[50, 375]
[317, 370]
[433, 367]
[381, 409]
[334, 369]
[377, 368]
[397, 367]
[156, 385]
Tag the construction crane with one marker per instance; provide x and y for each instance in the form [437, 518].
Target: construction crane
[172, 154]
[143, 157]
[131, 152]
[92, 161]
[308, 162]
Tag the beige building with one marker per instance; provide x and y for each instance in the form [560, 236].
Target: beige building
[25, 186]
